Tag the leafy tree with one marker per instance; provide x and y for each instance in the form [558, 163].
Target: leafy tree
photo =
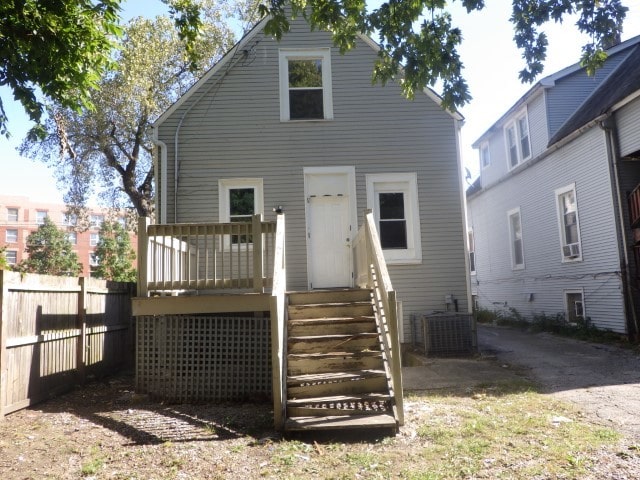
[3, 260]
[115, 254]
[50, 252]
[61, 48]
[418, 36]
[110, 146]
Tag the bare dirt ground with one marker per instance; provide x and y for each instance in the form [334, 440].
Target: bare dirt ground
[603, 380]
[106, 431]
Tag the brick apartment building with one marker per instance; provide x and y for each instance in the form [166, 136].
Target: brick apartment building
[19, 216]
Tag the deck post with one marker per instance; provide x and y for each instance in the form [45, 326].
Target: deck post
[256, 228]
[143, 255]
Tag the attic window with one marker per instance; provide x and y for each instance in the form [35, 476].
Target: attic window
[517, 141]
[305, 85]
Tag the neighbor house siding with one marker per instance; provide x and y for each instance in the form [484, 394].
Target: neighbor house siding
[582, 162]
[537, 125]
[628, 123]
[232, 129]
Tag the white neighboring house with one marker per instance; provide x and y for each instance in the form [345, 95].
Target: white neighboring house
[552, 216]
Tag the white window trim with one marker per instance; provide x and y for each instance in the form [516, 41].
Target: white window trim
[226, 184]
[7, 258]
[17, 210]
[485, 146]
[38, 214]
[561, 233]
[511, 213]
[471, 240]
[323, 54]
[406, 183]
[568, 291]
[94, 239]
[514, 124]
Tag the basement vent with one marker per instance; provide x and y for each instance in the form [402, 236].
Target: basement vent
[445, 334]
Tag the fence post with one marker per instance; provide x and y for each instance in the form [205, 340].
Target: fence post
[143, 255]
[81, 352]
[3, 345]
[256, 229]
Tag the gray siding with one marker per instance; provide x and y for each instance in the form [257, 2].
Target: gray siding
[232, 129]
[537, 125]
[583, 162]
[569, 92]
[628, 122]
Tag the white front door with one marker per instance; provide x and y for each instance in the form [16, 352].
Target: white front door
[329, 228]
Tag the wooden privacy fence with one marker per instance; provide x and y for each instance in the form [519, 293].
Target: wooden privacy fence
[56, 331]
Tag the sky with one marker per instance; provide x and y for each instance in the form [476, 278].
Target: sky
[490, 56]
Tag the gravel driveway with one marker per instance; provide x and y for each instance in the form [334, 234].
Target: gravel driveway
[603, 380]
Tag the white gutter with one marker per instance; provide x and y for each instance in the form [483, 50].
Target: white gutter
[162, 191]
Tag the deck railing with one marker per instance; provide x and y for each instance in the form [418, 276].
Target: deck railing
[279, 325]
[634, 207]
[198, 256]
[371, 272]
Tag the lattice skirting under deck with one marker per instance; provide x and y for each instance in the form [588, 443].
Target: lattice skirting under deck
[195, 358]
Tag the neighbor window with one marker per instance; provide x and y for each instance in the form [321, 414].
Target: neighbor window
[240, 199]
[485, 158]
[96, 221]
[94, 238]
[70, 219]
[515, 234]
[40, 216]
[472, 252]
[305, 85]
[11, 256]
[73, 238]
[568, 223]
[394, 200]
[93, 259]
[517, 141]
[574, 306]
[12, 214]
[11, 236]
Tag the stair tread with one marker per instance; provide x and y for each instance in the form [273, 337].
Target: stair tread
[377, 397]
[330, 304]
[358, 318]
[333, 336]
[368, 353]
[319, 377]
[340, 422]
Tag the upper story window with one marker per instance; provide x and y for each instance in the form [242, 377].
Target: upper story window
[12, 214]
[485, 157]
[70, 219]
[40, 216]
[393, 198]
[96, 221]
[73, 238]
[515, 235]
[11, 256]
[94, 261]
[516, 135]
[568, 223]
[305, 85]
[94, 239]
[11, 236]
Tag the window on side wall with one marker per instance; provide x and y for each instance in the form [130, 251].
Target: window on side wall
[472, 252]
[12, 214]
[94, 239]
[485, 157]
[517, 140]
[305, 85]
[11, 236]
[11, 256]
[240, 199]
[393, 198]
[569, 224]
[515, 235]
[40, 216]
[574, 302]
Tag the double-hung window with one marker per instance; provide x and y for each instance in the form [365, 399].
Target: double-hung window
[568, 223]
[96, 221]
[393, 199]
[40, 216]
[515, 236]
[240, 199]
[305, 84]
[70, 219]
[11, 236]
[12, 214]
[472, 252]
[517, 141]
[485, 157]
[94, 239]
[72, 237]
[11, 256]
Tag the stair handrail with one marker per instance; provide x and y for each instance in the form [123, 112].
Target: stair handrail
[378, 279]
[278, 325]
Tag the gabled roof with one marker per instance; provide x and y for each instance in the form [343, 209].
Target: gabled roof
[239, 46]
[549, 82]
[621, 83]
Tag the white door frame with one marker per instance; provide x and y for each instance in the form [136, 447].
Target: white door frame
[350, 173]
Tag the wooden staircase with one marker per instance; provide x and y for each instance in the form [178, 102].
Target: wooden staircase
[337, 373]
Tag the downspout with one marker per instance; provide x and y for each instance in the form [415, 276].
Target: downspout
[608, 125]
[463, 205]
[162, 191]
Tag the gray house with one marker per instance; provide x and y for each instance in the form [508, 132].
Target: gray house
[549, 223]
[294, 129]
